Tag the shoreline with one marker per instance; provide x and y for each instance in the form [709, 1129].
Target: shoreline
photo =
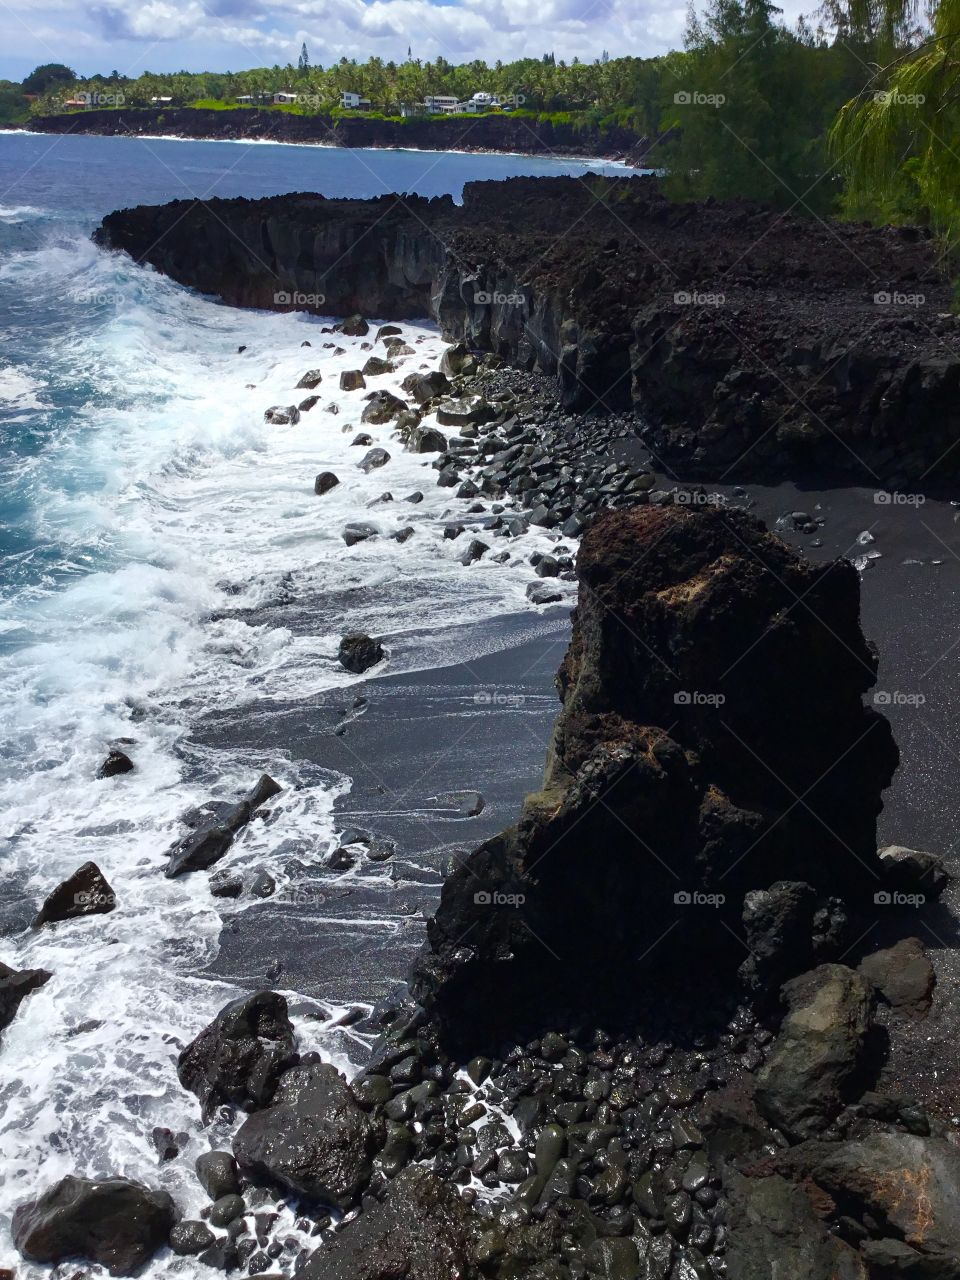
[615, 160]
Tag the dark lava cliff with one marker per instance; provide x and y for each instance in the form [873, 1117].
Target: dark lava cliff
[753, 343]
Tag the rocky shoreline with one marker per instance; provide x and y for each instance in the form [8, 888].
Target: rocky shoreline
[512, 135]
[749, 343]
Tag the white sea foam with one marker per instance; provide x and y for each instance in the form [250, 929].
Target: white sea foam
[165, 503]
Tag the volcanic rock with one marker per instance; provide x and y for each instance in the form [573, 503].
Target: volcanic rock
[218, 1174]
[85, 893]
[358, 651]
[314, 1139]
[111, 1221]
[359, 531]
[903, 977]
[425, 386]
[382, 406]
[203, 847]
[280, 415]
[116, 763]
[15, 985]
[421, 1230]
[804, 1082]
[353, 326]
[324, 482]
[426, 440]
[913, 871]
[698, 702]
[352, 380]
[312, 378]
[374, 459]
[239, 1057]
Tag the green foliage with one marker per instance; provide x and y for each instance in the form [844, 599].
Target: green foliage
[898, 140]
[49, 76]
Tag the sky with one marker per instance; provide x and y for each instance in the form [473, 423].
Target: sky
[133, 36]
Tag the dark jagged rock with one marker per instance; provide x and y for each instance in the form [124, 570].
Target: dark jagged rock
[421, 1230]
[382, 406]
[698, 702]
[312, 378]
[282, 415]
[112, 1221]
[903, 977]
[203, 847]
[324, 482]
[116, 764]
[190, 1237]
[358, 652]
[352, 380]
[15, 986]
[426, 440]
[218, 1174]
[778, 925]
[913, 871]
[359, 531]
[818, 1052]
[426, 386]
[313, 1139]
[239, 1057]
[374, 459]
[744, 338]
[85, 893]
[354, 327]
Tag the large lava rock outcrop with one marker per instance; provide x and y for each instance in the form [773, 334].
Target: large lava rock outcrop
[712, 741]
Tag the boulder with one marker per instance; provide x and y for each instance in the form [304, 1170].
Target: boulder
[913, 871]
[324, 482]
[775, 1234]
[374, 459]
[475, 551]
[239, 1057]
[388, 331]
[778, 926]
[455, 360]
[359, 531]
[314, 1139]
[352, 380]
[353, 326]
[85, 893]
[422, 387]
[361, 439]
[312, 378]
[191, 1237]
[207, 845]
[281, 415]
[111, 1221]
[381, 407]
[804, 1082]
[218, 1174]
[358, 652]
[116, 763]
[376, 366]
[15, 986]
[421, 1230]
[426, 440]
[905, 1182]
[311, 402]
[903, 977]
[468, 411]
[698, 753]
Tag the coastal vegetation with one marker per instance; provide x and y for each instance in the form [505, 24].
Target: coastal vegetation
[853, 117]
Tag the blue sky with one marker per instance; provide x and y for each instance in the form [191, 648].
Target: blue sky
[195, 35]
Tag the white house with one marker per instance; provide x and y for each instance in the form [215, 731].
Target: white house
[246, 98]
[441, 104]
[160, 102]
[353, 102]
[285, 98]
[481, 101]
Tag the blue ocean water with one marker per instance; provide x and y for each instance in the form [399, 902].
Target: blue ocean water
[146, 511]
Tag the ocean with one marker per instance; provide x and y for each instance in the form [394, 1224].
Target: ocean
[150, 523]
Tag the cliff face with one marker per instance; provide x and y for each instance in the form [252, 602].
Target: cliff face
[476, 133]
[712, 742]
[752, 343]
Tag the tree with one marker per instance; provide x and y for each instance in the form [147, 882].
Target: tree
[897, 140]
[49, 76]
[304, 63]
